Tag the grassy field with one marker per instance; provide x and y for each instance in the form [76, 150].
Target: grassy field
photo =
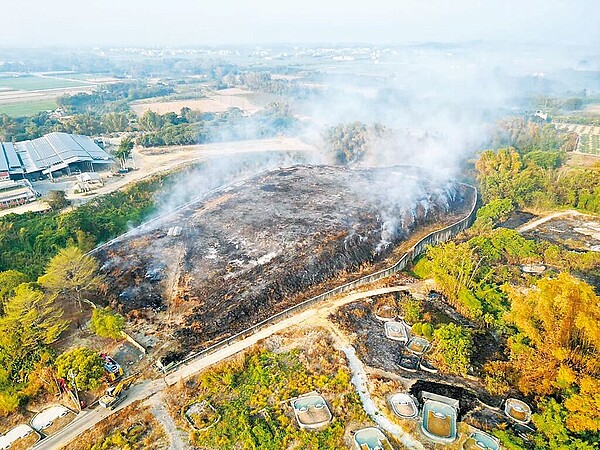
[251, 394]
[34, 83]
[27, 108]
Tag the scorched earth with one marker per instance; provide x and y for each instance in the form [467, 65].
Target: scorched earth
[249, 251]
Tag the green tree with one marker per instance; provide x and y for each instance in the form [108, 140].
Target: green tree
[106, 323]
[350, 142]
[123, 152]
[552, 432]
[9, 280]
[86, 366]
[72, 274]
[29, 324]
[411, 309]
[454, 268]
[453, 347]
[497, 210]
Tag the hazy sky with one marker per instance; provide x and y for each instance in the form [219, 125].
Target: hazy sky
[189, 22]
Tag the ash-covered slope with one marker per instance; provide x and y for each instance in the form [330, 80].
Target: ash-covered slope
[249, 251]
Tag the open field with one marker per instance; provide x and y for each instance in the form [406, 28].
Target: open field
[589, 137]
[37, 83]
[219, 102]
[26, 95]
[27, 108]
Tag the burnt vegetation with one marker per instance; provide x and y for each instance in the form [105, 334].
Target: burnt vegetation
[258, 248]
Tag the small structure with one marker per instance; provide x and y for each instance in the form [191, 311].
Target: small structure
[404, 405]
[201, 415]
[396, 331]
[517, 410]
[439, 417]
[479, 440]
[88, 181]
[534, 269]
[409, 363]
[371, 439]
[15, 193]
[22, 434]
[418, 345]
[311, 411]
[54, 415]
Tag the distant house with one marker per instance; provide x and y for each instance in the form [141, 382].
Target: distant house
[52, 155]
[541, 115]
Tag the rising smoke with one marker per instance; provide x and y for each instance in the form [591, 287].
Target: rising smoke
[440, 102]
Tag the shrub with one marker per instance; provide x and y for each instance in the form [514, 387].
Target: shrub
[106, 323]
[86, 365]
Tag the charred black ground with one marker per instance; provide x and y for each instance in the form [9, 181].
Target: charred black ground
[250, 251]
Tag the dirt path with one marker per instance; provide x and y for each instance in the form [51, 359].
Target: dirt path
[321, 310]
[177, 437]
[90, 417]
[360, 381]
[537, 222]
[164, 159]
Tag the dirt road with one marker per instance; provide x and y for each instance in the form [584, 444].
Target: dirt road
[89, 418]
[536, 223]
[177, 437]
[164, 159]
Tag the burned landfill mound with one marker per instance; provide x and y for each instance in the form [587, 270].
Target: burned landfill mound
[251, 250]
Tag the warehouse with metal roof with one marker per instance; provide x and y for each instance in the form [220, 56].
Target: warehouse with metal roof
[53, 154]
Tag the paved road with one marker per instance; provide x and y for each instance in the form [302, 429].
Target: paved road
[89, 418]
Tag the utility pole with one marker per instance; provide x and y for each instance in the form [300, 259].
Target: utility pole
[71, 375]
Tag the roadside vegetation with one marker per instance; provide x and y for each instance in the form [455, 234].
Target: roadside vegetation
[251, 394]
[29, 240]
[133, 428]
[33, 316]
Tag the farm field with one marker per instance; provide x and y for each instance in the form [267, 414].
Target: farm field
[21, 109]
[36, 83]
[589, 137]
[594, 108]
[26, 95]
[218, 102]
